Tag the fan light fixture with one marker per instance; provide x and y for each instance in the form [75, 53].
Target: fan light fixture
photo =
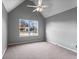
[39, 7]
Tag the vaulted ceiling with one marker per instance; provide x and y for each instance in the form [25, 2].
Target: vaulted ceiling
[54, 6]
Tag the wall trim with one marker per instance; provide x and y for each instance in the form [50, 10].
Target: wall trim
[4, 52]
[23, 43]
[62, 46]
[17, 43]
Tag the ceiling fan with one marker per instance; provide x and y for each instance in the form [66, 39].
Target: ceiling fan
[39, 7]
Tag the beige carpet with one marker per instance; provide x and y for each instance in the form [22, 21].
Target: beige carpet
[39, 50]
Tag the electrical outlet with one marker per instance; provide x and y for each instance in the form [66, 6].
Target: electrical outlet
[76, 46]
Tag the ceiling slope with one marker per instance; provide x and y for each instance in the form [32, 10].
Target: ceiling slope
[54, 6]
[11, 4]
[57, 6]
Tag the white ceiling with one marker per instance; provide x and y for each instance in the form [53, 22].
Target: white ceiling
[11, 4]
[54, 6]
[57, 6]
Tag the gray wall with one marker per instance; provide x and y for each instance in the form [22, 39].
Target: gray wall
[23, 12]
[62, 29]
[4, 29]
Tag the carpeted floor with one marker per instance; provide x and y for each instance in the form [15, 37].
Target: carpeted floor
[39, 50]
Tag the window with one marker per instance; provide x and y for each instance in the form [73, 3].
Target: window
[28, 28]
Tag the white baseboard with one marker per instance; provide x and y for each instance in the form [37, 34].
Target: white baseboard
[16, 43]
[22, 43]
[62, 46]
[4, 52]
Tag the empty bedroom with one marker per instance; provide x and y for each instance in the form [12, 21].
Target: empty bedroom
[39, 29]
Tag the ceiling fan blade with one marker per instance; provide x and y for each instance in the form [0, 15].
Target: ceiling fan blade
[39, 2]
[34, 10]
[37, 9]
[41, 9]
[31, 6]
